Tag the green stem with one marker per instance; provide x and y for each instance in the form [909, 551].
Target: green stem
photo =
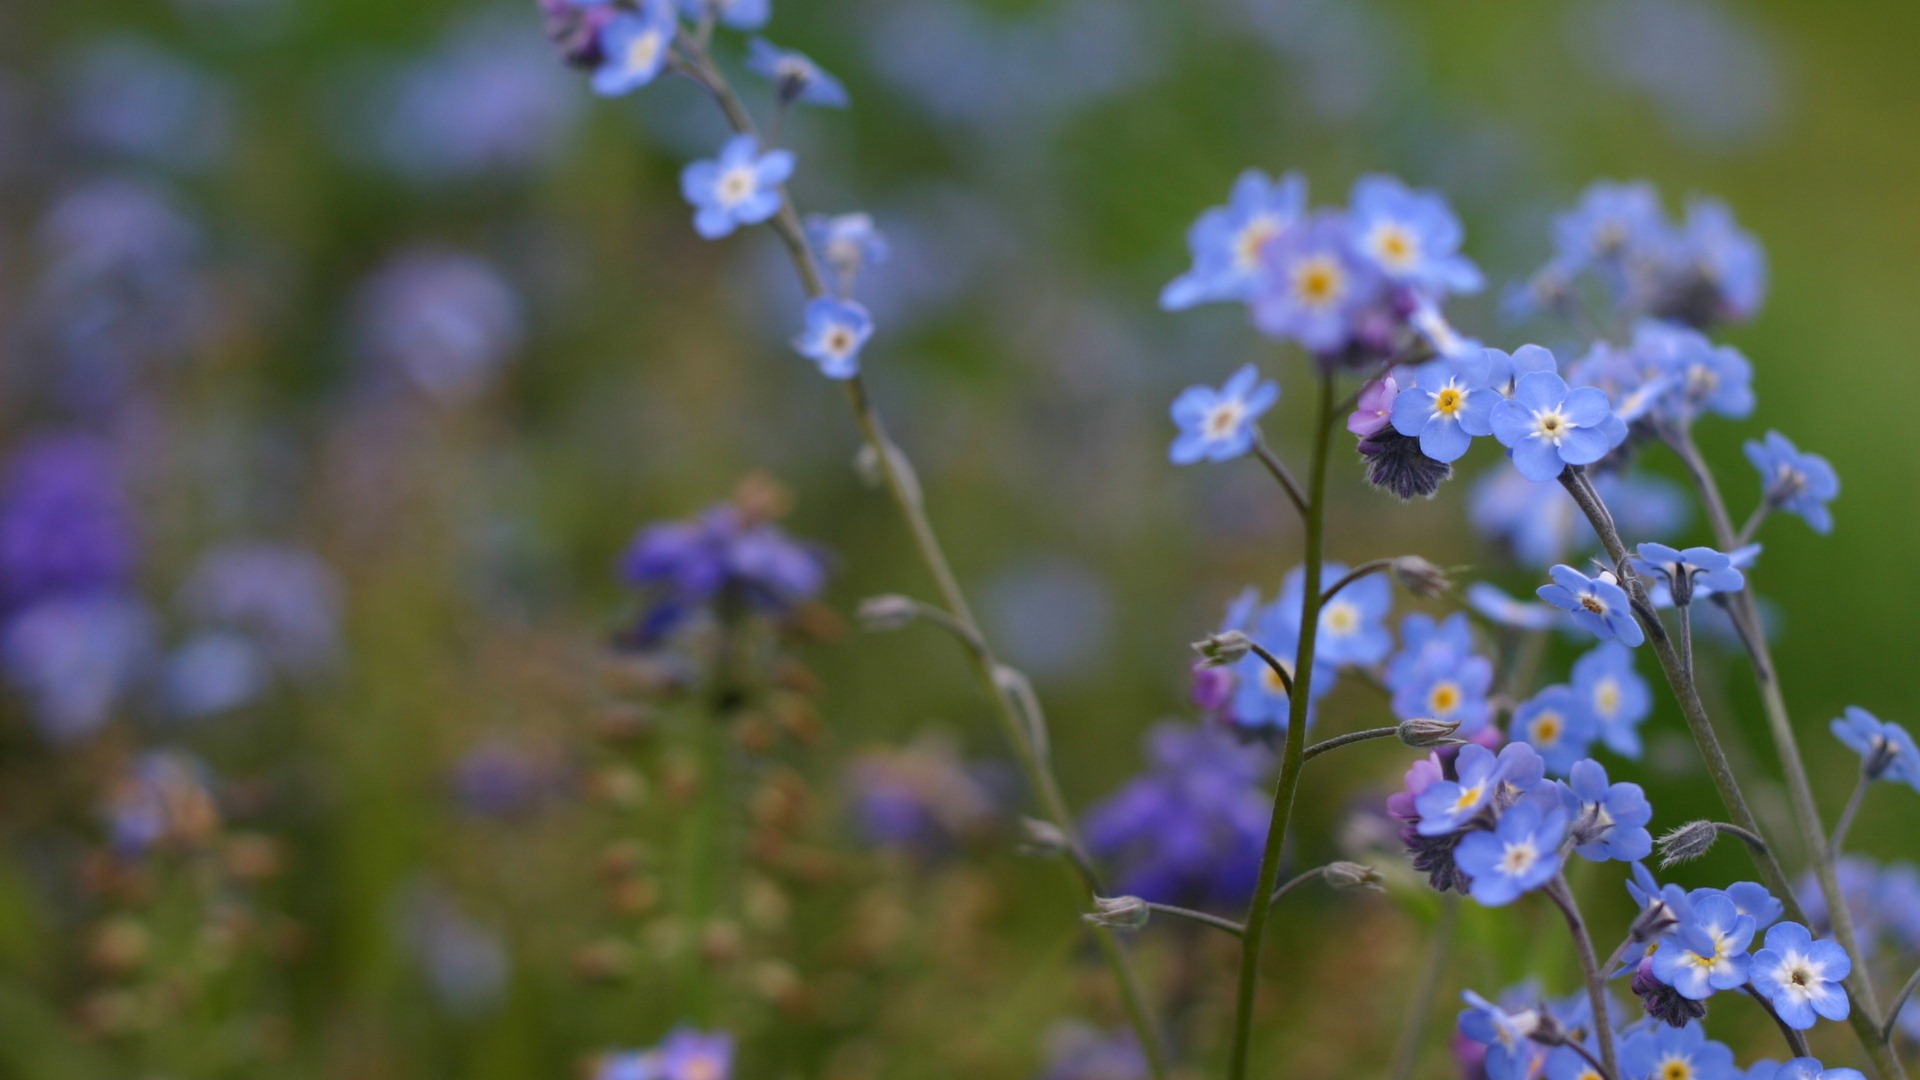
[1406, 1051]
[1595, 978]
[1845, 824]
[1295, 755]
[1349, 739]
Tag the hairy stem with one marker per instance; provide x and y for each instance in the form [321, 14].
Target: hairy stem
[1339, 741]
[1295, 754]
[1596, 979]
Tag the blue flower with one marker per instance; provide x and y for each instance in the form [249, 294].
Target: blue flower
[1522, 853]
[686, 1054]
[634, 47]
[1708, 950]
[1614, 224]
[1504, 1034]
[1549, 427]
[1726, 257]
[1497, 606]
[1696, 375]
[1885, 749]
[1675, 1053]
[76, 659]
[1481, 778]
[1218, 425]
[1802, 1069]
[1609, 820]
[848, 243]
[1697, 570]
[1504, 369]
[1312, 285]
[1556, 725]
[1739, 560]
[1802, 976]
[1598, 604]
[1260, 702]
[739, 14]
[1353, 628]
[688, 565]
[1227, 241]
[836, 330]
[1078, 1051]
[795, 77]
[1798, 483]
[1614, 695]
[740, 187]
[1412, 237]
[1750, 898]
[1436, 674]
[1448, 404]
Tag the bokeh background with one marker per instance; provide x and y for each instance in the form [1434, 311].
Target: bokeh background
[383, 286]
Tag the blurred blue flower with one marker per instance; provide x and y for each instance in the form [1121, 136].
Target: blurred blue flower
[163, 798]
[688, 1054]
[1522, 853]
[1675, 1051]
[738, 14]
[739, 187]
[1598, 604]
[212, 673]
[1609, 820]
[128, 98]
[634, 47]
[1078, 1051]
[1555, 723]
[1500, 607]
[1802, 1069]
[835, 333]
[1312, 286]
[1219, 425]
[1615, 696]
[1548, 426]
[795, 77]
[922, 798]
[1796, 482]
[504, 780]
[1510, 1055]
[1436, 675]
[1802, 976]
[1885, 749]
[465, 960]
[1227, 241]
[1412, 237]
[1729, 260]
[76, 659]
[284, 598]
[847, 243]
[443, 320]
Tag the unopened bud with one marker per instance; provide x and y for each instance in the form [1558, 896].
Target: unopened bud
[1422, 734]
[1687, 843]
[1041, 839]
[1352, 875]
[1419, 577]
[1219, 650]
[889, 612]
[1118, 912]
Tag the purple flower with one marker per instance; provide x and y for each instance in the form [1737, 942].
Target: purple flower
[65, 527]
[739, 187]
[922, 797]
[1548, 427]
[444, 320]
[687, 1054]
[1373, 411]
[724, 553]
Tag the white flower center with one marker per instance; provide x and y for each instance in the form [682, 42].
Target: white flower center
[838, 341]
[1551, 425]
[1225, 419]
[1252, 238]
[1519, 857]
[643, 51]
[737, 185]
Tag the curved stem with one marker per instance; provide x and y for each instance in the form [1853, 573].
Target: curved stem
[1406, 1049]
[1202, 917]
[1339, 741]
[1865, 1016]
[1019, 728]
[1841, 827]
[1898, 1002]
[1796, 1042]
[1278, 667]
[1595, 978]
[1295, 882]
[1295, 754]
[1279, 470]
[1374, 567]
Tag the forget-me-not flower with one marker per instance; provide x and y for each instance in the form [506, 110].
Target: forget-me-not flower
[836, 331]
[687, 1054]
[1448, 805]
[1696, 569]
[1802, 976]
[1694, 374]
[1708, 950]
[1675, 1053]
[1227, 241]
[1353, 624]
[1598, 604]
[795, 77]
[1614, 694]
[1437, 676]
[1411, 237]
[1801, 1069]
[1727, 258]
[1504, 369]
[1496, 605]
[1312, 285]
[1885, 749]
[1555, 725]
[1799, 483]
[1609, 820]
[634, 46]
[1548, 426]
[1505, 1035]
[1520, 854]
[848, 243]
[1447, 405]
[1218, 425]
[738, 14]
[740, 187]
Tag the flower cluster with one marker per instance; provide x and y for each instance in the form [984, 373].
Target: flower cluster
[685, 1054]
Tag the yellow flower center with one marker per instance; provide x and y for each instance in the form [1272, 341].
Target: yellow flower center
[1341, 618]
[1676, 1069]
[1270, 679]
[1606, 697]
[1469, 798]
[1545, 728]
[1444, 698]
[1394, 246]
[1319, 281]
[1449, 400]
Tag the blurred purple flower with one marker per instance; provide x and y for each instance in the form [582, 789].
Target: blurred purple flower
[128, 98]
[1080, 1051]
[283, 598]
[721, 555]
[65, 525]
[922, 797]
[444, 320]
[75, 659]
[465, 960]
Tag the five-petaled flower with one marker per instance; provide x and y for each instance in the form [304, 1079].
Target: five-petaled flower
[740, 187]
[1218, 425]
[1448, 405]
[835, 332]
[1885, 749]
[1521, 853]
[1696, 569]
[1312, 286]
[1598, 604]
[1796, 482]
[1615, 695]
[1802, 976]
[1548, 427]
[1609, 820]
[1708, 950]
[1675, 1053]
[1505, 1034]
[634, 46]
[795, 77]
[1227, 241]
[1411, 237]
[1481, 778]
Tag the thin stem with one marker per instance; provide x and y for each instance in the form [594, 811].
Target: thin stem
[1796, 1042]
[1279, 470]
[1278, 666]
[1619, 955]
[903, 486]
[1846, 816]
[1376, 566]
[1686, 638]
[1295, 754]
[1587, 1056]
[1752, 526]
[1865, 1016]
[1595, 978]
[1339, 741]
[1899, 1001]
[1868, 1025]
[1413, 1026]
[1295, 882]
[1214, 921]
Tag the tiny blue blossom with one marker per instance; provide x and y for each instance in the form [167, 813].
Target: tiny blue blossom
[1548, 427]
[1801, 1069]
[1483, 779]
[1802, 976]
[1679, 1052]
[1411, 237]
[1598, 604]
[1437, 676]
[634, 47]
[1313, 286]
[848, 243]
[1496, 605]
[1353, 628]
[1739, 561]
[1885, 749]
[1614, 695]
[1696, 375]
[1708, 950]
[1505, 369]
[1750, 898]
[1260, 703]
[1227, 241]
[1613, 224]
[1796, 482]
[1556, 726]
[1695, 571]
[738, 14]
[795, 77]
[835, 333]
[740, 187]
[1522, 853]
[1726, 257]
[1504, 1034]
[1448, 404]
[1609, 820]
[1218, 425]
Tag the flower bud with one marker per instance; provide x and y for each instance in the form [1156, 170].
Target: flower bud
[1352, 875]
[1687, 843]
[1422, 734]
[1227, 647]
[1118, 912]
[1041, 839]
[1419, 577]
[889, 612]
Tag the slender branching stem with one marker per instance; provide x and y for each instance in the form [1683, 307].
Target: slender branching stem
[1295, 754]
[1413, 1025]
[1686, 639]
[1339, 741]
[1295, 882]
[1753, 840]
[1278, 666]
[1619, 955]
[1865, 1017]
[1796, 1042]
[1586, 1055]
[897, 475]
[1841, 827]
[1376, 566]
[1204, 918]
[1899, 1001]
[1279, 470]
[1752, 526]
[1596, 978]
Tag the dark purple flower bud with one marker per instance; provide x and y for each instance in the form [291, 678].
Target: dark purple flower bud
[574, 29]
[1663, 1002]
[1395, 464]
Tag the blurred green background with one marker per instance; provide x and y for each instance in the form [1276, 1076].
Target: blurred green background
[1037, 163]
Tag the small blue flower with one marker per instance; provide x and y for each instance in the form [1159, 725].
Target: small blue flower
[1313, 285]
[1260, 702]
[1613, 224]
[836, 331]
[848, 243]
[1727, 257]
[1708, 951]
[1695, 374]
[1614, 695]
[1505, 1035]
[1682, 1053]
[795, 77]
[1218, 425]
[687, 1054]
[1436, 674]
[1447, 806]
[1227, 241]
[1802, 976]
[1663, 909]
[740, 187]
[1598, 604]
[1750, 898]
[738, 14]
[1609, 820]
[1549, 427]
[1412, 237]
[1353, 629]
[1504, 369]
[1447, 405]
[1556, 726]
[1739, 560]
[1496, 605]
[1802, 1069]
[1885, 749]
[1522, 853]
[1798, 483]
[634, 47]
[1695, 571]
